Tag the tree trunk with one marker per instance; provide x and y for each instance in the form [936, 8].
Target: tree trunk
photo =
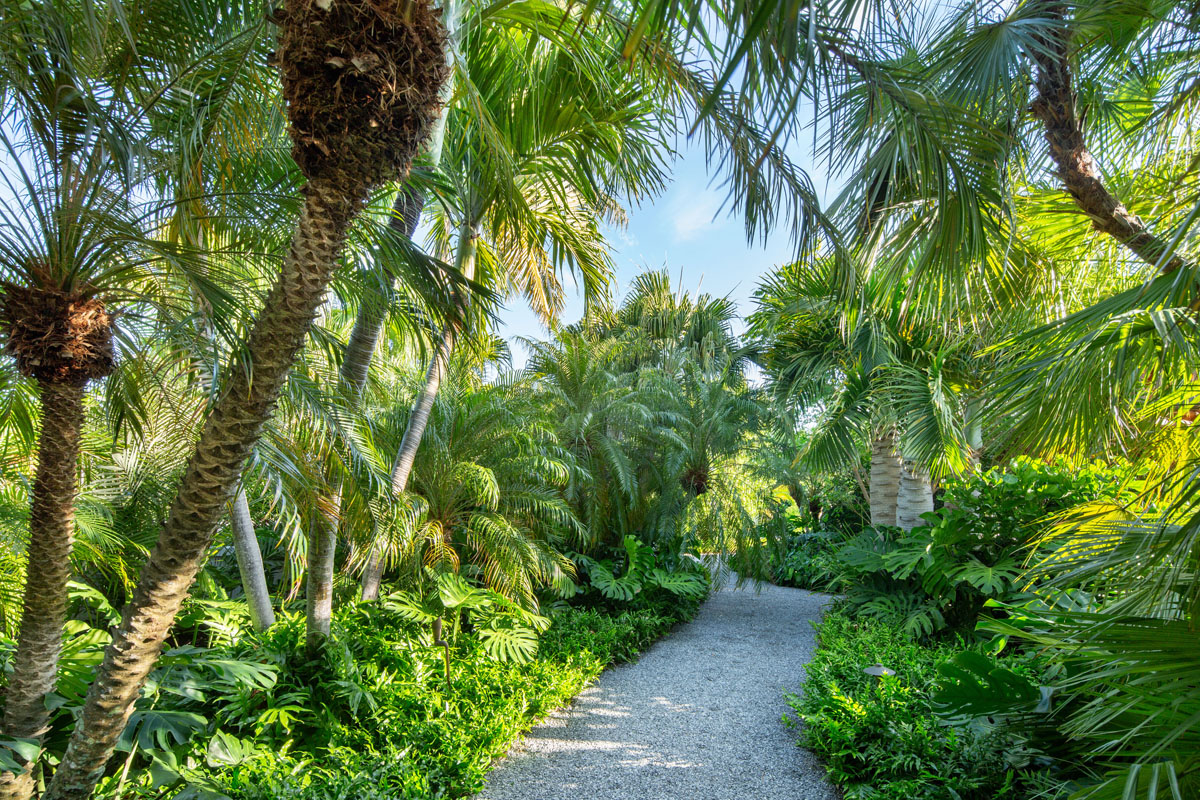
[884, 478]
[916, 495]
[360, 349]
[402, 467]
[318, 587]
[409, 203]
[48, 568]
[212, 475]
[250, 563]
[974, 426]
[1055, 107]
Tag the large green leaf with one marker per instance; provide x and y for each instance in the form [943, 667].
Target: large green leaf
[975, 686]
[156, 729]
[506, 638]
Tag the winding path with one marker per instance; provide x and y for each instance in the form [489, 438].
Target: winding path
[696, 718]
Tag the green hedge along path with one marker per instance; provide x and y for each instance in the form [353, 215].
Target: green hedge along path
[696, 718]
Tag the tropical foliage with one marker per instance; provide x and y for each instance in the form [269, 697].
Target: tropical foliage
[274, 497]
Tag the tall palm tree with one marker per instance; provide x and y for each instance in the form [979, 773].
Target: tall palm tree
[75, 243]
[530, 185]
[871, 374]
[343, 153]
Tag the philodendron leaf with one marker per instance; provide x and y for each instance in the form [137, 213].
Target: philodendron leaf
[410, 607]
[455, 592]
[684, 584]
[225, 749]
[505, 638]
[26, 749]
[974, 686]
[160, 730]
[623, 588]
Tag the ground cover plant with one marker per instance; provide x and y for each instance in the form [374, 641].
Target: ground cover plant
[256, 716]
[881, 737]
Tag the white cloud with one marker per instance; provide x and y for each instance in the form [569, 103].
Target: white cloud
[692, 212]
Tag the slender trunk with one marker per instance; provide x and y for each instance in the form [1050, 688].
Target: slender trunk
[884, 478]
[250, 563]
[318, 587]
[916, 495]
[360, 349]
[1056, 108]
[208, 485]
[51, 530]
[402, 467]
[974, 426]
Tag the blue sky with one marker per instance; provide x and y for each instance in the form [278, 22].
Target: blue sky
[681, 230]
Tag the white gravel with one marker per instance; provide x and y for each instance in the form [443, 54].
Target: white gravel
[696, 718]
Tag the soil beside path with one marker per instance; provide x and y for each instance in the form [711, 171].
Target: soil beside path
[696, 718]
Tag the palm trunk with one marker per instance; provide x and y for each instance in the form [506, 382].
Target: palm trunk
[1056, 108]
[318, 586]
[402, 467]
[974, 426]
[250, 564]
[916, 495]
[360, 350]
[208, 485]
[884, 478]
[51, 530]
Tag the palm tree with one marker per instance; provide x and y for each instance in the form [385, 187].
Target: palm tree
[870, 373]
[529, 186]
[1043, 131]
[75, 243]
[342, 153]
[488, 485]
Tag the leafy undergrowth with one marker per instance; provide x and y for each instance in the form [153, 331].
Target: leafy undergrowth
[374, 717]
[883, 740]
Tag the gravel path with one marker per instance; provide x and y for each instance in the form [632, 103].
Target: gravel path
[696, 718]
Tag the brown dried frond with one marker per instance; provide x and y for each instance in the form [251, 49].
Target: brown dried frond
[57, 336]
[361, 79]
[695, 480]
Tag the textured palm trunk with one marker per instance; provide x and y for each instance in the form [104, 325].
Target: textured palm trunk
[364, 338]
[318, 578]
[402, 466]
[916, 495]
[360, 350]
[208, 485]
[51, 531]
[1055, 106]
[884, 478]
[250, 563]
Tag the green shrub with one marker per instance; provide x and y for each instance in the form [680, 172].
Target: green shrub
[939, 576]
[372, 716]
[808, 561]
[882, 740]
[406, 730]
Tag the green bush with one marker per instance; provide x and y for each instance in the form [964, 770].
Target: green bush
[807, 561]
[883, 740]
[939, 576]
[408, 731]
[372, 716]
